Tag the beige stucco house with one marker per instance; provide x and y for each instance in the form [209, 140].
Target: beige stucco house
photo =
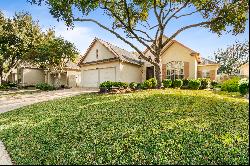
[105, 62]
[244, 70]
[29, 75]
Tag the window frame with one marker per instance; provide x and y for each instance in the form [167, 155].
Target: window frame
[175, 70]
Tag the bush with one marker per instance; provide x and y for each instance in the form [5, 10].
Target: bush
[231, 85]
[106, 84]
[243, 86]
[177, 83]
[153, 82]
[167, 83]
[139, 86]
[147, 84]
[44, 86]
[185, 82]
[124, 85]
[204, 83]
[194, 84]
[214, 83]
[12, 84]
[133, 85]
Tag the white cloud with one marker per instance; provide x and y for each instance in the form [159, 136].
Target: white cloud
[79, 35]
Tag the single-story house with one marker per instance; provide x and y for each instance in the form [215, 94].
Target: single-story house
[104, 61]
[29, 75]
[244, 70]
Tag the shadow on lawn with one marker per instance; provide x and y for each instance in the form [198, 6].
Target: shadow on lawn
[154, 127]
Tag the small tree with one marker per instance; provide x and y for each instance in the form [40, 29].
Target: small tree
[18, 36]
[232, 57]
[54, 54]
[22, 40]
[134, 18]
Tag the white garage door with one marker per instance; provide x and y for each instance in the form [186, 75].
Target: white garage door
[107, 74]
[92, 78]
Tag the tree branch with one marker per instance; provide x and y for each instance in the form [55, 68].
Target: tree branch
[116, 34]
[177, 11]
[185, 28]
[188, 14]
[131, 31]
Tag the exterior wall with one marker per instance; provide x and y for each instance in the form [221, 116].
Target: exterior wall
[53, 79]
[32, 76]
[211, 69]
[12, 76]
[103, 53]
[244, 70]
[115, 64]
[124, 72]
[73, 78]
[129, 73]
[175, 52]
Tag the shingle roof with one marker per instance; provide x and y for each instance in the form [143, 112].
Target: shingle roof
[120, 53]
[205, 61]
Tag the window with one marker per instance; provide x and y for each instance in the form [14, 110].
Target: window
[96, 52]
[175, 70]
[205, 74]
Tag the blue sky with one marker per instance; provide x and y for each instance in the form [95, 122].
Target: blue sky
[198, 39]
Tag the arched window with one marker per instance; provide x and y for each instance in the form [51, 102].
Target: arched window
[175, 70]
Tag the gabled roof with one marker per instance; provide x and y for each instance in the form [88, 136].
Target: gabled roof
[197, 55]
[119, 53]
[205, 61]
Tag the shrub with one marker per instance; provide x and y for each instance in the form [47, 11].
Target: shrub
[214, 83]
[185, 82]
[12, 84]
[177, 83]
[231, 85]
[44, 86]
[147, 84]
[243, 86]
[204, 83]
[106, 84]
[194, 84]
[124, 85]
[154, 82]
[167, 83]
[139, 86]
[133, 85]
[116, 84]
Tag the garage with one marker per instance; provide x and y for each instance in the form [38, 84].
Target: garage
[93, 77]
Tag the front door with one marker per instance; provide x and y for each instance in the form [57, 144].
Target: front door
[150, 72]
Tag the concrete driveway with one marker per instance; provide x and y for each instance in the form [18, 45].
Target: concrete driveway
[10, 102]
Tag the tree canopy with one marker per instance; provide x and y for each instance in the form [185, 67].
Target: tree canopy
[22, 40]
[54, 54]
[233, 57]
[134, 18]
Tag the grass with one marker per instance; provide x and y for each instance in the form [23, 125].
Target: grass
[149, 127]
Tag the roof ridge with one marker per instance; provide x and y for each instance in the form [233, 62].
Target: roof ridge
[114, 45]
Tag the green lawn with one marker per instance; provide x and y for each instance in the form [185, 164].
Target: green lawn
[150, 127]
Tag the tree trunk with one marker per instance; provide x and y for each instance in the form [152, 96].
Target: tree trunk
[158, 75]
[1, 76]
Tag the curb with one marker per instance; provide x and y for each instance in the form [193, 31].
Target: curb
[4, 156]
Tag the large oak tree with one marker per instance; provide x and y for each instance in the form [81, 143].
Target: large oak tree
[135, 17]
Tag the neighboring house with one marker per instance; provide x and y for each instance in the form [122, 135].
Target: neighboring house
[244, 70]
[28, 75]
[106, 62]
